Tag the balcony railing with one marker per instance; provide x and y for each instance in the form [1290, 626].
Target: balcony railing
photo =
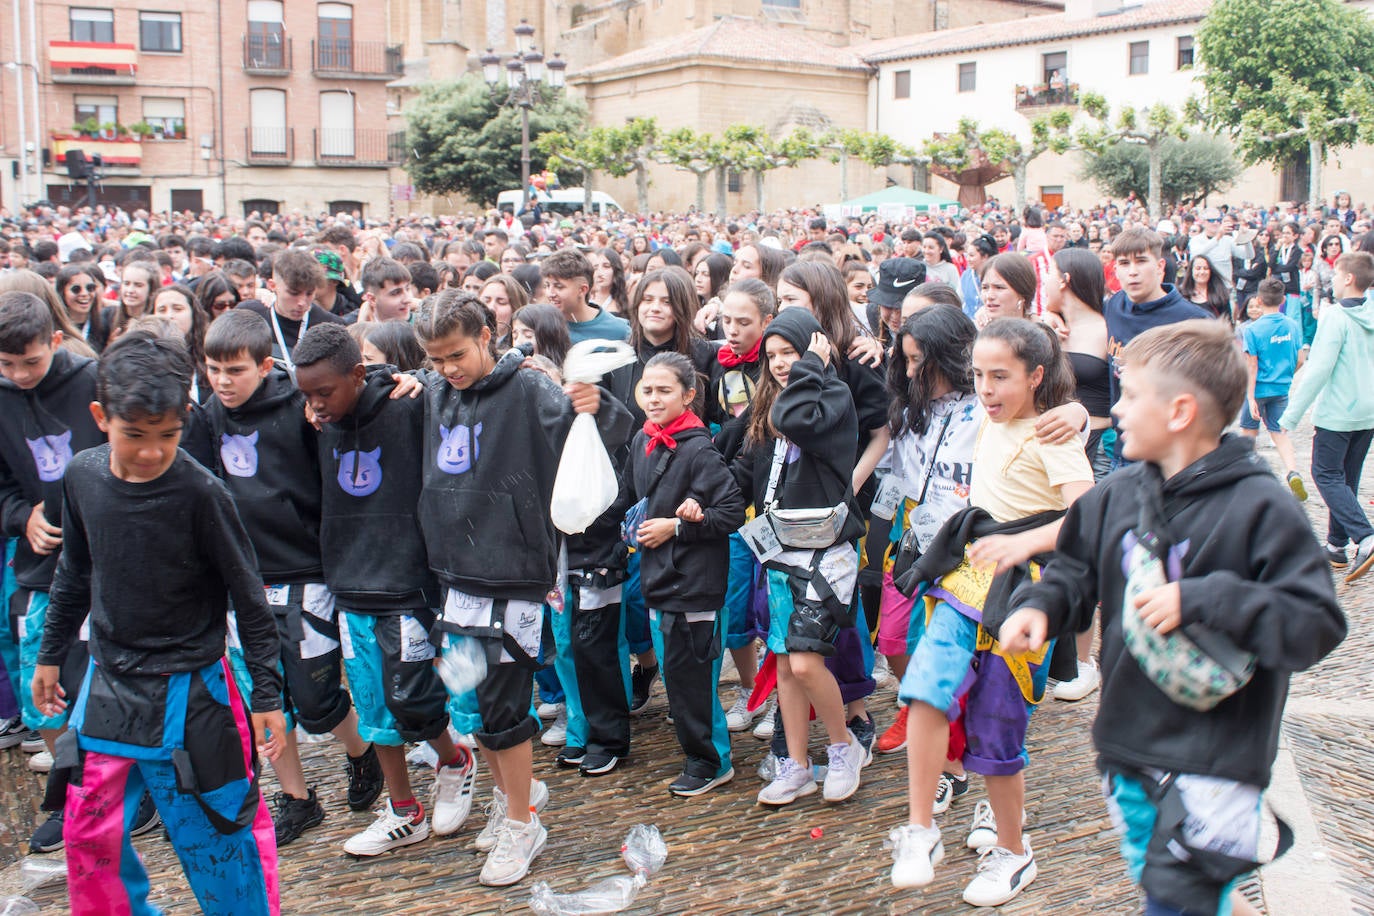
[105, 63]
[365, 59]
[117, 152]
[1047, 96]
[352, 148]
[269, 145]
[267, 54]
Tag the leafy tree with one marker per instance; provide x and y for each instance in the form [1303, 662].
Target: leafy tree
[698, 153]
[587, 154]
[875, 149]
[974, 156]
[1190, 169]
[1150, 128]
[750, 148]
[465, 143]
[631, 149]
[1288, 76]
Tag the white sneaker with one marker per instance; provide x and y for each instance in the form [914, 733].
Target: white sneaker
[738, 717]
[915, 853]
[1002, 875]
[496, 813]
[882, 672]
[422, 755]
[1089, 679]
[556, 735]
[791, 783]
[41, 762]
[843, 766]
[764, 730]
[983, 833]
[453, 788]
[389, 831]
[549, 710]
[517, 844]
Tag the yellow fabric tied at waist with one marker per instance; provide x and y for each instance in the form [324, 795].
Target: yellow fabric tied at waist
[969, 585]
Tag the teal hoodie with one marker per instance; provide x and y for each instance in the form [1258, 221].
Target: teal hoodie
[1337, 372]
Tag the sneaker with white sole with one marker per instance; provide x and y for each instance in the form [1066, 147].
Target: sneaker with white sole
[844, 761]
[12, 732]
[389, 831]
[496, 813]
[983, 833]
[1364, 559]
[41, 762]
[556, 735]
[1002, 874]
[949, 788]
[764, 730]
[1089, 679]
[915, 853]
[33, 743]
[453, 789]
[517, 845]
[738, 717]
[689, 786]
[549, 710]
[791, 782]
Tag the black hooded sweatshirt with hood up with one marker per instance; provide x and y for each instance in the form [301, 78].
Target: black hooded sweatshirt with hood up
[268, 460]
[491, 454]
[370, 539]
[815, 413]
[1251, 570]
[41, 429]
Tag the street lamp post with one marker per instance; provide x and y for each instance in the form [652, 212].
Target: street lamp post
[524, 77]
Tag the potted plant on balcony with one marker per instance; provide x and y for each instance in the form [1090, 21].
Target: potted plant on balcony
[89, 128]
[142, 130]
[178, 130]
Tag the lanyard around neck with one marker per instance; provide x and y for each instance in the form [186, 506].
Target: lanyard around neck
[281, 338]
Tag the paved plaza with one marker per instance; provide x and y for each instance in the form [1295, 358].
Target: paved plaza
[729, 856]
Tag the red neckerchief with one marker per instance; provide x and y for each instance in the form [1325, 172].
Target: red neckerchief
[729, 360]
[685, 420]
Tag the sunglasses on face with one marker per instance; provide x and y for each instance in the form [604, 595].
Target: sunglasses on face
[78, 288]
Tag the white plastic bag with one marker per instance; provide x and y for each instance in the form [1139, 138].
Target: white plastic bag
[586, 484]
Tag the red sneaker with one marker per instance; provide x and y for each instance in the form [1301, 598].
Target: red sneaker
[894, 739]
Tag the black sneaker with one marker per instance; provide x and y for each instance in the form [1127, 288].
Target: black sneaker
[365, 782]
[687, 786]
[570, 758]
[294, 816]
[598, 764]
[641, 685]
[865, 731]
[147, 818]
[48, 836]
[1337, 557]
[12, 732]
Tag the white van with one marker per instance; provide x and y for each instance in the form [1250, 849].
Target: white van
[563, 202]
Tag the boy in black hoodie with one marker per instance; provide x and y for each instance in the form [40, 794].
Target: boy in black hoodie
[45, 419]
[1197, 553]
[371, 450]
[268, 460]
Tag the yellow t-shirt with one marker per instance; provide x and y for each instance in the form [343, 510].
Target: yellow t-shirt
[1015, 476]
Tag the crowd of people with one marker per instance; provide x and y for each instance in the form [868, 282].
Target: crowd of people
[240, 459]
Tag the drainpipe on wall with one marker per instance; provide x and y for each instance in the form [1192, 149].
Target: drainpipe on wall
[37, 103]
[223, 138]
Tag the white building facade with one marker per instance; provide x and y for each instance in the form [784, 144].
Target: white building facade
[1005, 74]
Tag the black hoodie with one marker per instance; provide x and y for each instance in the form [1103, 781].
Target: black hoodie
[40, 431]
[370, 538]
[689, 572]
[491, 454]
[268, 460]
[728, 386]
[815, 413]
[1250, 570]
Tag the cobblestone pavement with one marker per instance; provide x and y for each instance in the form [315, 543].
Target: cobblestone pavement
[728, 856]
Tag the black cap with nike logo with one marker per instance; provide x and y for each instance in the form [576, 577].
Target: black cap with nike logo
[896, 278]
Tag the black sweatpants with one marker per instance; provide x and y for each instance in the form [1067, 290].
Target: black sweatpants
[691, 667]
[596, 652]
